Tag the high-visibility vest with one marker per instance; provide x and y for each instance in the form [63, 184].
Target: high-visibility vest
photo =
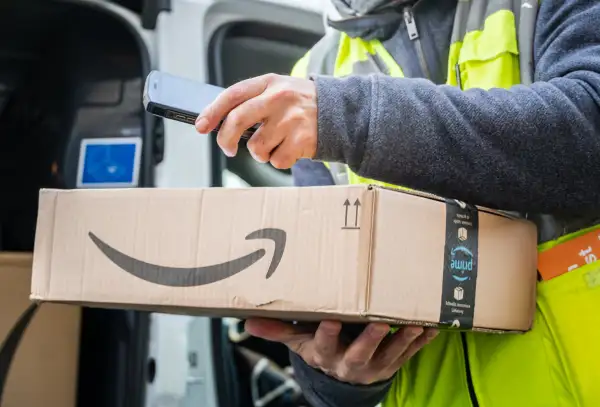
[557, 363]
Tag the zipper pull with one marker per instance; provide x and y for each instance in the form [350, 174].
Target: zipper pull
[411, 26]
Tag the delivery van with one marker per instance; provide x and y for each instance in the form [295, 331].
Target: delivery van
[71, 79]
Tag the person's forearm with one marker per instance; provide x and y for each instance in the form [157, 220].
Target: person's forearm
[530, 148]
[321, 390]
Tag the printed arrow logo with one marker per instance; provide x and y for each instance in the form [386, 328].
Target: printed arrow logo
[196, 276]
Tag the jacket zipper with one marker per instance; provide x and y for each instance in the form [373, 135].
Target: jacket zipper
[458, 77]
[413, 35]
[470, 386]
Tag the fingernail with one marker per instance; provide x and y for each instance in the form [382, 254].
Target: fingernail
[329, 327]
[432, 333]
[201, 124]
[378, 330]
[257, 158]
[414, 331]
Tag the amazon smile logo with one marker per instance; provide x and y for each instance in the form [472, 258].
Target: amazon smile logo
[196, 276]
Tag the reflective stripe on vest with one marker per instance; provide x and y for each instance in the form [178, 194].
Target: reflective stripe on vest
[557, 363]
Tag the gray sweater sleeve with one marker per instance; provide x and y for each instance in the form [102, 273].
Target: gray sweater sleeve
[321, 390]
[530, 148]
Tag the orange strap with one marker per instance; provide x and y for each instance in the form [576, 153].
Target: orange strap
[567, 256]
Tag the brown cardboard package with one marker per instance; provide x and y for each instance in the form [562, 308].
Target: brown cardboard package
[355, 253]
[42, 371]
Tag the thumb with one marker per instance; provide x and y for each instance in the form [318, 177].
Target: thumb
[228, 100]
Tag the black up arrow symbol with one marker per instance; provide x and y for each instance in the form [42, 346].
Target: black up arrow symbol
[346, 206]
[356, 205]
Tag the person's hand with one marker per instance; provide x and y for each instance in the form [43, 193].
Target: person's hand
[286, 108]
[375, 355]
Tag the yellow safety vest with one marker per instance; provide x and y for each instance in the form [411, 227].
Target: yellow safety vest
[557, 363]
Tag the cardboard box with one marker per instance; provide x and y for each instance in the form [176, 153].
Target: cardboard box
[354, 253]
[39, 345]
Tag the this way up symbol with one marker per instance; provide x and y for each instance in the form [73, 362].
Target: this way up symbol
[347, 205]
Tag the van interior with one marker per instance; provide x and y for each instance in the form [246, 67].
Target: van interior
[69, 72]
